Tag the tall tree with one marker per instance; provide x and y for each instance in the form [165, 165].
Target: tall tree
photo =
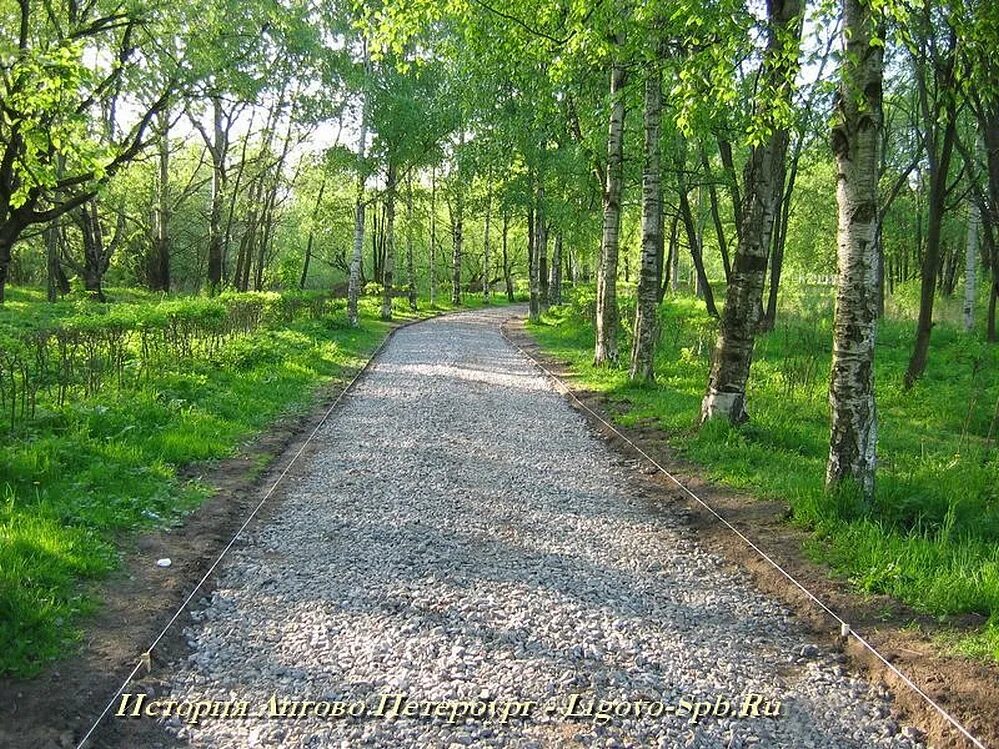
[856, 142]
[606, 349]
[55, 150]
[458, 219]
[935, 62]
[764, 185]
[971, 266]
[646, 311]
[354, 280]
[388, 269]
[159, 260]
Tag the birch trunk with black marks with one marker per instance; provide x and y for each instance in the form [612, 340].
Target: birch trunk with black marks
[410, 262]
[507, 274]
[541, 248]
[433, 235]
[534, 277]
[607, 315]
[485, 242]
[388, 270]
[354, 281]
[555, 280]
[971, 267]
[457, 226]
[856, 142]
[764, 185]
[646, 331]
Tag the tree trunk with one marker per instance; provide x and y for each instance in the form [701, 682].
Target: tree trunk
[939, 166]
[96, 250]
[53, 269]
[670, 279]
[354, 281]
[607, 314]
[779, 240]
[856, 141]
[555, 282]
[990, 333]
[215, 239]
[312, 233]
[646, 331]
[52, 260]
[458, 226]
[764, 184]
[988, 119]
[507, 275]
[716, 216]
[696, 255]
[8, 234]
[534, 305]
[433, 235]
[541, 248]
[388, 272]
[725, 151]
[410, 263]
[159, 265]
[971, 267]
[485, 240]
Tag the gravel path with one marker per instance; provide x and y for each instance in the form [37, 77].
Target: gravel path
[461, 537]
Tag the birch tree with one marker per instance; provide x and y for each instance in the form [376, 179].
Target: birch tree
[764, 185]
[646, 312]
[354, 281]
[856, 143]
[971, 267]
[606, 350]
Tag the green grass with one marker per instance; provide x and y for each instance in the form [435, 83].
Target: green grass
[76, 480]
[932, 536]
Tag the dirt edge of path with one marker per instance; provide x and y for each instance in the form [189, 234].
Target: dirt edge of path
[967, 689]
[54, 709]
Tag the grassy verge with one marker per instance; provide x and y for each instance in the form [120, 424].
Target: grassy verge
[79, 474]
[932, 537]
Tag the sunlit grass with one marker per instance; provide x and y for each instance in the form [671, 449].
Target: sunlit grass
[932, 537]
[78, 477]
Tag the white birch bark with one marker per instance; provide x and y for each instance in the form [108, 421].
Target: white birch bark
[388, 269]
[646, 311]
[458, 223]
[354, 283]
[607, 315]
[485, 243]
[433, 235]
[410, 262]
[856, 140]
[971, 267]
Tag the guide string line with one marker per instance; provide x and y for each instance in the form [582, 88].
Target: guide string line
[845, 629]
[146, 658]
